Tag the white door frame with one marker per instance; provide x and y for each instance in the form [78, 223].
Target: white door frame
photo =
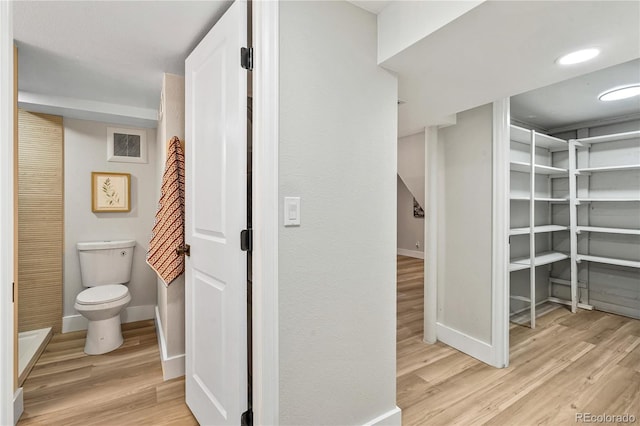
[6, 213]
[500, 233]
[430, 234]
[265, 212]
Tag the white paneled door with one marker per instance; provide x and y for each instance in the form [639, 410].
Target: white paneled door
[216, 176]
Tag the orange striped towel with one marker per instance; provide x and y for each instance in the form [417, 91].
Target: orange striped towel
[168, 230]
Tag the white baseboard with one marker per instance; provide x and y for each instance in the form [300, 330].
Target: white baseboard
[464, 343]
[18, 405]
[172, 366]
[130, 314]
[390, 418]
[138, 313]
[411, 253]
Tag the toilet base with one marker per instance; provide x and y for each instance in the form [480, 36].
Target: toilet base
[103, 336]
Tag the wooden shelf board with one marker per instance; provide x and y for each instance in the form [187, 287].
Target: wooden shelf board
[624, 231]
[538, 229]
[609, 168]
[551, 200]
[608, 260]
[521, 298]
[522, 135]
[541, 259]
[567, 283]
[519, 166]
[568, 302]
[605, 200]
[611, 138]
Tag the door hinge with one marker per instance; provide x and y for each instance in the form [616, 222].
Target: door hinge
[13, 292]
[183, 250]
[246, 58]
[247, 418]
[246, 240]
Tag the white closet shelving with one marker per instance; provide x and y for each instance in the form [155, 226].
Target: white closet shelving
[575, 222]
[539, 184]
[606, 229]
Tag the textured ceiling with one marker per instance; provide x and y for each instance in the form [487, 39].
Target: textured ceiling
[107, 51]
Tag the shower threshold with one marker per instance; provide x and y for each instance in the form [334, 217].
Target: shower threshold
[31, 344]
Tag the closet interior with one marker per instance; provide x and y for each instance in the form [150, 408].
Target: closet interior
[575, 199]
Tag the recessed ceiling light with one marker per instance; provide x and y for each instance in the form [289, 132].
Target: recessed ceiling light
[578, 56]
[620, 93]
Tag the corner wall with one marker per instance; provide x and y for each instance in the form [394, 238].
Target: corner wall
[464, 247]
[85, 151]
[337, 270]
[170, 302]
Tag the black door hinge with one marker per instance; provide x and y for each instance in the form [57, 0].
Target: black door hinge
[247, 418]
[246, 240]
[13, 292]
[246, 58]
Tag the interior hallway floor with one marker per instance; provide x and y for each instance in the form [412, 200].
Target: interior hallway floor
[123, 387]
[586, 362]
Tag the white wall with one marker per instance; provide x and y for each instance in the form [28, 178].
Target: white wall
[337, 271]
[6, 219]
[410, 228]
[85, 151]
[411, 164]
[464, 224]
[403, 23]
[170, 298]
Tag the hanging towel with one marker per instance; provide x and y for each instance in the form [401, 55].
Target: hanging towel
[168, 230]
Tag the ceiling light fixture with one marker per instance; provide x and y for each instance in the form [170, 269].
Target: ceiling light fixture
[578, 56]
[620, 93]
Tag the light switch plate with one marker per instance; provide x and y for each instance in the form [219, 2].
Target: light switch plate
[291, 211]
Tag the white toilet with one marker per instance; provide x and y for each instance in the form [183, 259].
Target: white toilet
[105, 267]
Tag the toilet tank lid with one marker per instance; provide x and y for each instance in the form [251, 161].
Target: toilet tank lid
[102, 245]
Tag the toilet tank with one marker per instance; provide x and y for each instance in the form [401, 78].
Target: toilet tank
[105, 262]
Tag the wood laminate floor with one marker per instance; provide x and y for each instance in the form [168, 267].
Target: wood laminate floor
[123, 387]
[584, 362]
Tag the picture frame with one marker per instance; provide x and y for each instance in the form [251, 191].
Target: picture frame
[418, 211]
[126, 145]
[110, 192]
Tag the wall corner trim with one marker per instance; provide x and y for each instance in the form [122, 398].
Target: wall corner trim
[465, 343]
[172, 366]
[500, 233]
[266, 121]
[390, 418]
[18, 405]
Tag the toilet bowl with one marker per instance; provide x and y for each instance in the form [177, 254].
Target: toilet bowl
[105, 267]
[101, 306]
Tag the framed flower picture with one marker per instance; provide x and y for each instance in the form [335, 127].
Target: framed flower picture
[110, 192]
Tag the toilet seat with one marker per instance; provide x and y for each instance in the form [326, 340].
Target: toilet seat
[102, 294]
